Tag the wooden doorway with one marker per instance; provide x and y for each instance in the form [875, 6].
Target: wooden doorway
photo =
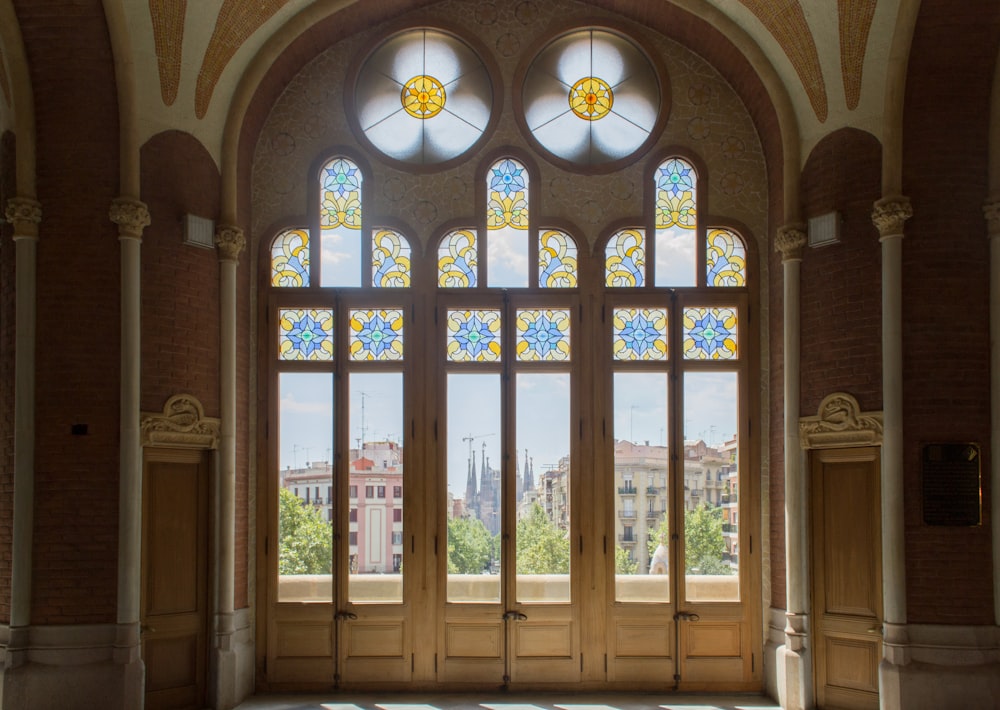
[175, 564]
[847, 576]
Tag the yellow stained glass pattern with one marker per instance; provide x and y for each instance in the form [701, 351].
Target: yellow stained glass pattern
[591, 98]
[375, 334]
[725, 259]
[340, 196]
[423, 96]
[625, 259]
[710, 333]
[305, 334]
[473, 336]
[557, 260]
[639, 334]
[290, 259]
[457, 259]
[390, 259]
[542, 335]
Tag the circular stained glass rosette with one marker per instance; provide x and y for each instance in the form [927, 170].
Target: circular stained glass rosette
[423, 97]
[591, 97]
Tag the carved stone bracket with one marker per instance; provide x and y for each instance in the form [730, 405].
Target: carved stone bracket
[840, 423]
[131, 216]
[24, 214]
[182, 423]
[991, 210]
[230, 241]
[789, 241]
[889, 215]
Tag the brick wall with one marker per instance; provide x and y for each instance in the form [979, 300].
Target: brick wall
[7, 304]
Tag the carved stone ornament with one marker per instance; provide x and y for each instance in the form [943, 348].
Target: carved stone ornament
[889, 215]
[181, 424]
[131, 216]
[789, 241]
[991, 210]
[840, 423]
[24, 214]
[230, 241]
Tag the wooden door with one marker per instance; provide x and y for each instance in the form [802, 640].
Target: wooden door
[175, 578]
[847, 588]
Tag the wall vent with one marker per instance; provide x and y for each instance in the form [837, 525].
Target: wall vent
[824, 229]
[199, 231]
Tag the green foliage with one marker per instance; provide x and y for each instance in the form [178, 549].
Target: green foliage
[471, 548]
[623, 563]
[542, 548]
[660, 535]
[703, 543]
[305, 540]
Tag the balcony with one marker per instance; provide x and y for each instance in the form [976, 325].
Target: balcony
[626, 490]
[652, 490]
[729, 498]
[626, 539]
[626, 514]
[730, 528]
[653, 514]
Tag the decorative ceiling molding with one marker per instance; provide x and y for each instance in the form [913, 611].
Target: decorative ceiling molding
[855, 21]
[786, 21]
[237, 20]
[168, 37]
[840, 423]
[181, 424]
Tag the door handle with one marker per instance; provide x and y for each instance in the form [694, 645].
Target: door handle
[875, 630]
[345, 616]
[686, 616]
[146, 629]
[514, 616]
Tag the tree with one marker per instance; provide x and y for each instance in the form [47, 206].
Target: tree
[623, 563]
[471, 548]
[703, 543]
[542, 548]
[305, 540]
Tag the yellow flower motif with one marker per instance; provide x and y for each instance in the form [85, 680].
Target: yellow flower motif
[423, 97]
[591, 98]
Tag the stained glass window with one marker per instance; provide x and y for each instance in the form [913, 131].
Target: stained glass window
[457, 259]
[542, 335]
[473, 336]
[375, 334]
[676, 221]
[290, 259]
[639, 334]
[340, 223]
[710, 333]
[507, 224]
[305, 334]
[391, 266]
[725, 258]
[557, 260]
[625, 259]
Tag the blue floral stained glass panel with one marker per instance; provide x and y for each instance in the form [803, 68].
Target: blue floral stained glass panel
[473, 336]
[542, 335]
[725, 259]
[375, 334]
[639, 334]
[305, 334]
[710, 333]
[625, 259]
[557, 260]
[457, 259]
[390, 259]
[290, 259]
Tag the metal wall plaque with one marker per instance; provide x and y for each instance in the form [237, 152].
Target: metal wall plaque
[952, 484]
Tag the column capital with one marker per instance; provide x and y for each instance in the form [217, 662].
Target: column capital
[131, 216]
[889, 214]
[230, 241]
[24, 213]
[789, 241]
[991, 210]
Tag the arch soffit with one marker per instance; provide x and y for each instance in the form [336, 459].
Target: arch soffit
[20, 102]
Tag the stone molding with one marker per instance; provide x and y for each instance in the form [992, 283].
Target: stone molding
[991, 210]
[230, 241]
[889, 214]
[840, 423]
[181, 424]
[789, 241]
[24, 214]
[131, 216]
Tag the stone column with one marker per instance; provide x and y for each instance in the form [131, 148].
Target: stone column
[230, 242]
[24, 214]
[889, 215]
[992, 211]
[798, 674]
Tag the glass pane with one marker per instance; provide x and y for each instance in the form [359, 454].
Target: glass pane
[640, 489]
[305, 334]
[376, 334]
[542, 535]
[710, 334]
[676, 223]
[474, 487]
[305, 493]
[390, 259]
[340, 223]
[625, 259]
[542, 335]
[474, 336]
[457, 259]
[725, 259]
[639, 334]
[711, 487]
[507, 224]
[290, 259]
[557, 260]
[375, 529]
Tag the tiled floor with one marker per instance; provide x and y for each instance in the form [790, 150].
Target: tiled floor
[510, 701]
